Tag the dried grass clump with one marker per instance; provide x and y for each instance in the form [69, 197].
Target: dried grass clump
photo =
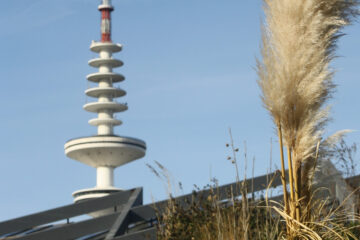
[204, 216]
[298, 44]
[209, 219]
[325, 221]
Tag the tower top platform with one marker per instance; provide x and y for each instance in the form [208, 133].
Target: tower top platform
[111, 151]
[105, 46]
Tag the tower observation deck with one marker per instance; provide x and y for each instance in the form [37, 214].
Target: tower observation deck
[106, 150]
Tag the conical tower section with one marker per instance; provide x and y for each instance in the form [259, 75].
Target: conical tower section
[104, 151]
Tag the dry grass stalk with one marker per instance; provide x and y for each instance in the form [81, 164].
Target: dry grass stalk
[283, 178]
[291, 183]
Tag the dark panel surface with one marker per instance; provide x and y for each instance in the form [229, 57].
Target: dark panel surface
[74, 230]
[64, 212]
[148, 234]
[122, 221]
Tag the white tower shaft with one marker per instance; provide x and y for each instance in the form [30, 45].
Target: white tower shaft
[105, 177]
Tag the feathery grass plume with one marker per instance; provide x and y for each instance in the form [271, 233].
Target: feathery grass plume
[298, 44]
[325, 149]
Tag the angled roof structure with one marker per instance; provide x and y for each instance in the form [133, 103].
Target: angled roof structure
[126, 217]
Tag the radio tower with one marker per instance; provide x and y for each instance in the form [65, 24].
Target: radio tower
[104, 151]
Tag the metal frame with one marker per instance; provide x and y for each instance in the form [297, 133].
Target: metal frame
[129, 220]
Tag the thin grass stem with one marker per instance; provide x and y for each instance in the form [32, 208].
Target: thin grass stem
[291, 182]
[283, 180]
[297, 175]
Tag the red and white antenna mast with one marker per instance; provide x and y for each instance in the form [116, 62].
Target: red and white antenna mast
[106, 8]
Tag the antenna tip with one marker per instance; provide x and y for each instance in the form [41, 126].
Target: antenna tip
[106, 2]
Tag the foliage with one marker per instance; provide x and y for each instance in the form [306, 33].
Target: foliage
[211, 219]
[207, 218]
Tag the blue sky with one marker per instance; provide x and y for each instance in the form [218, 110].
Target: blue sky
[189, 67]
